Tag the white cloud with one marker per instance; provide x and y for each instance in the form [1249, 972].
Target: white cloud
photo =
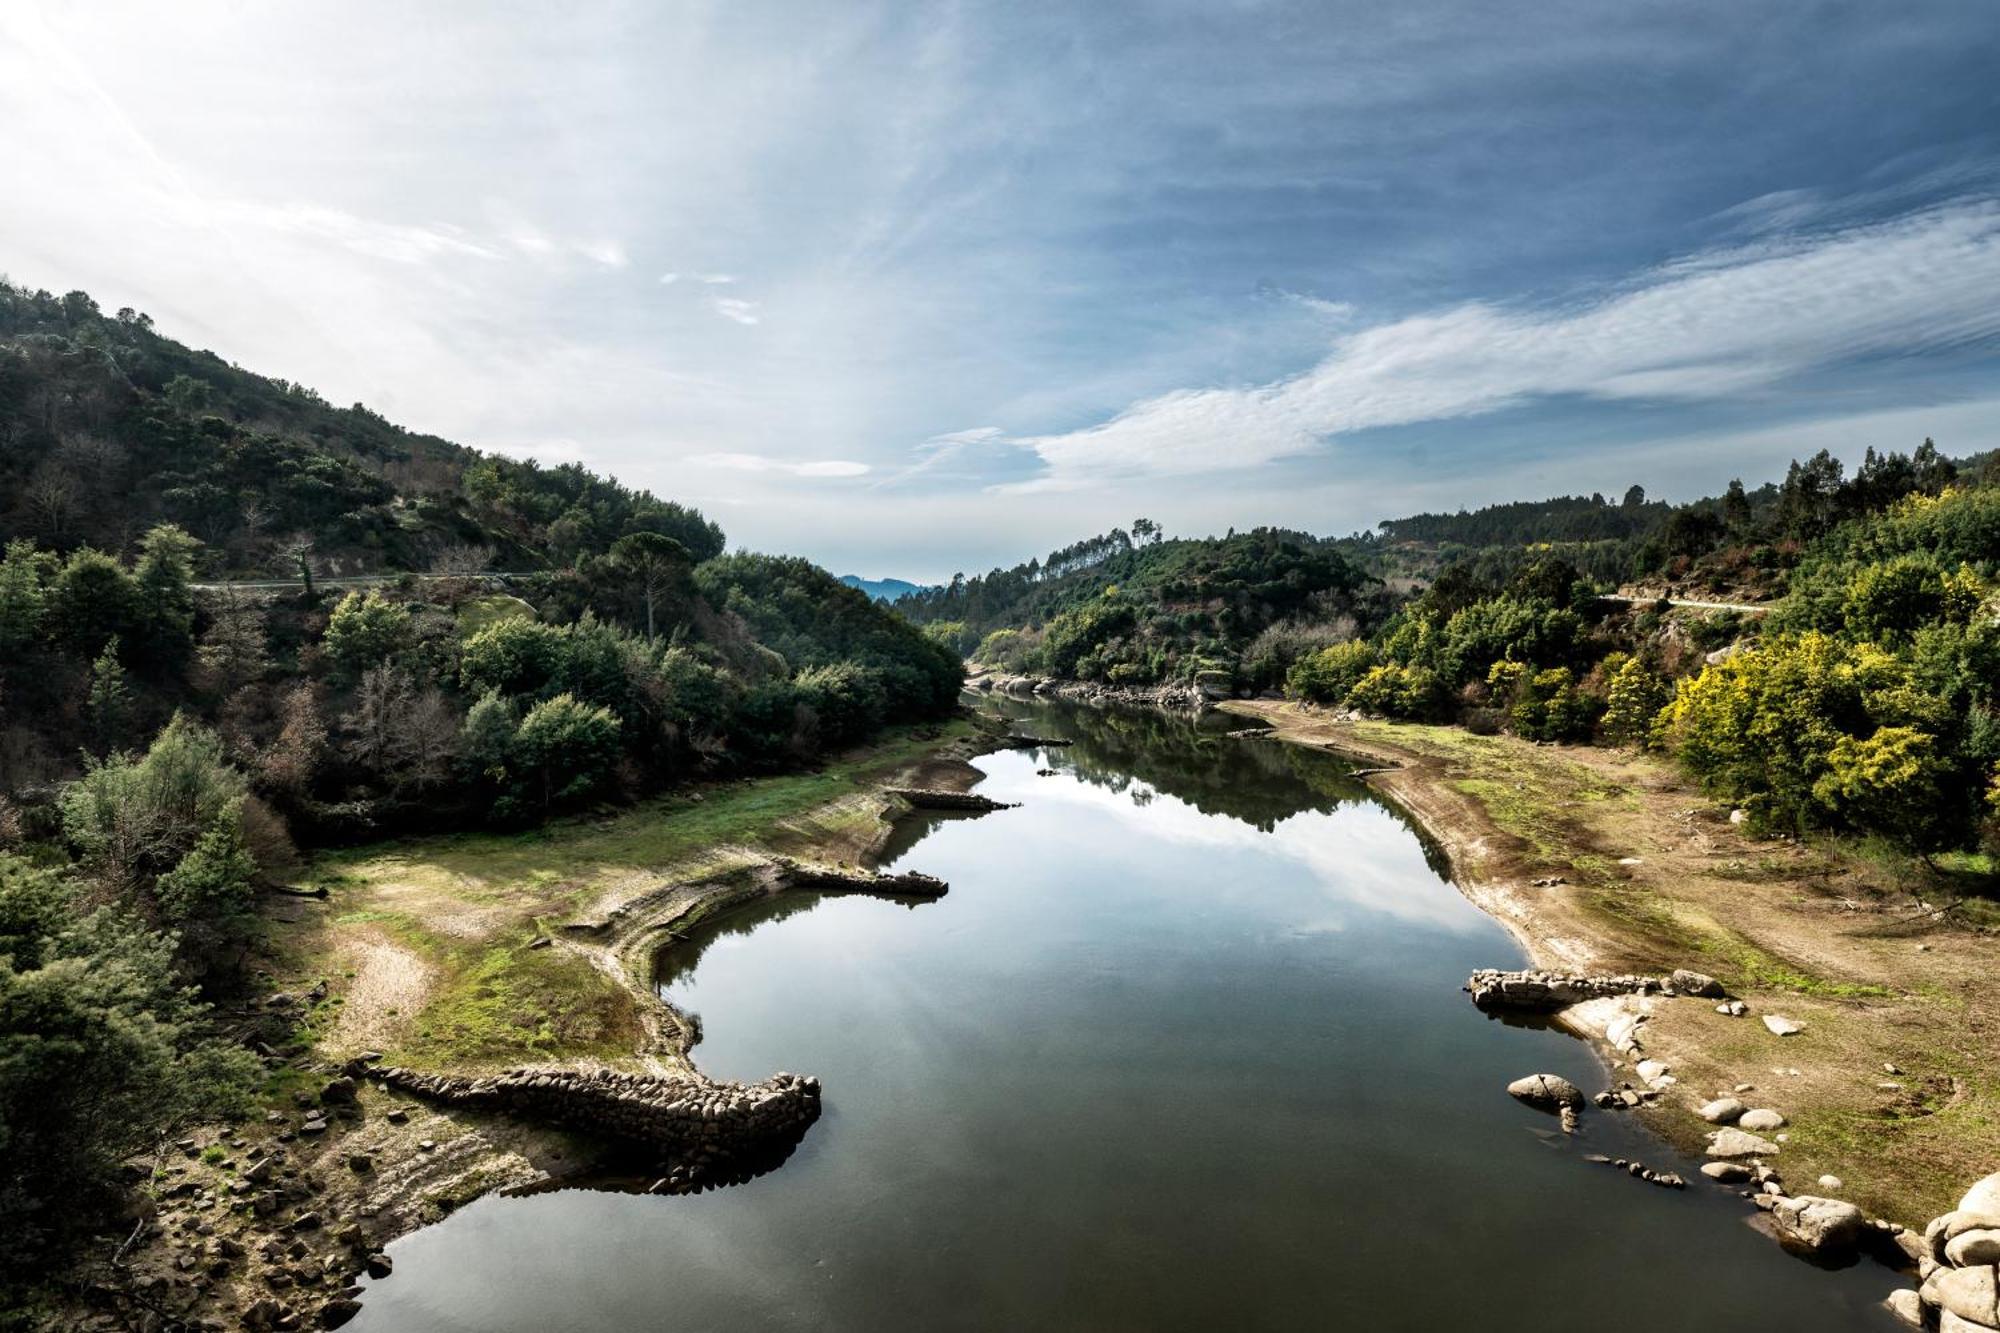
[829, 467]
[669, 279]
[729, 307]
[715, 279]
[1711, 326]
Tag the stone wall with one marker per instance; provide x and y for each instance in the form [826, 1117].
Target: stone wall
[683, 1118]
[1536, 990]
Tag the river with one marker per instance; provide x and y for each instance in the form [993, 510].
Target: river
[1183, 1048]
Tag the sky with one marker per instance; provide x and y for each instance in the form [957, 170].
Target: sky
[915, 288]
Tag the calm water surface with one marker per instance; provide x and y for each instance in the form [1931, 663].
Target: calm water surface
[1184, 1048]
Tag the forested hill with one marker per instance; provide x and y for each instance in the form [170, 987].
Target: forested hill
[1139, 608]
[110, 427]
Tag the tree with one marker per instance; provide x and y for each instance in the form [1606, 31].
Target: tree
[1633, 704]
[291, 763]
[108, 707]
[234, 649]
[1736, 509]
[164, 595]
[657, 565]
[104, 1055]
[1892, 783]
[486, 740]
[22, 600]
[366, 629]
[566, 748]
[91, 602]
[378, 715]
[211, 888]
[134, 819]
[55, 497]
[1635, 497]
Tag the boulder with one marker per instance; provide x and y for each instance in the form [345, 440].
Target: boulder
[1782, 1026]
[1736, 1143]
[1951, 1323]
[1722, 1111]
[1828, 1228]
[1729, 1173]
[1546, 1092]
[1973, 1249]
[1761, 1121]
[1696, 983]
[1907, 1306]
[1983, 1197]
[1966, 1292]
[337, 1090]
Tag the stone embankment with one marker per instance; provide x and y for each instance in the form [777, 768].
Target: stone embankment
[842, 879]
[1175, 698]
[930, 798]
[686, 1119]
[1545, 992]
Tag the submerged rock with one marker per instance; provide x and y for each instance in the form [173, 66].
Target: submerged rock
[1546, 1092]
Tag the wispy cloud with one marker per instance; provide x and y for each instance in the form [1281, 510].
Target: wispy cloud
[715, 279]
[729, 307]
[1710, 326]
[828, 467]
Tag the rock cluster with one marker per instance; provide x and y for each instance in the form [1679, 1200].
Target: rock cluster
[1960, 1263]
[1495, 989]
[842, 879]
[687, 1118]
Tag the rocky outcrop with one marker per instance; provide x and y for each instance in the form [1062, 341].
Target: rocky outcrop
[930, 798]
[1959, 1263]
[682, 1118]
[1548, 991]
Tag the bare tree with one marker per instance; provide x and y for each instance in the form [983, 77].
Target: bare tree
[55, 497]
[427, 737]
[233, 650]
[297, 550]
[462, 560]
[379, 706]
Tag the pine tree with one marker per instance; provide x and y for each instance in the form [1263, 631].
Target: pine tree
[109, 705]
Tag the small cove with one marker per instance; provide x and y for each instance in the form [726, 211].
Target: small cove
[1182, 1048]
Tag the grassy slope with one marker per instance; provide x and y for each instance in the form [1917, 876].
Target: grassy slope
[426, 943]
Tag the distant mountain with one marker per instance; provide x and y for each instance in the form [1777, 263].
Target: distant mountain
[882, 590]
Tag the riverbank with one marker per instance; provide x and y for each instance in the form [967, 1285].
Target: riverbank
[450, 960]
[1601, 861]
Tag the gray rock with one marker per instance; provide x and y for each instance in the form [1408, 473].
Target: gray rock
[1761, 1121]
[1546, 1092]
[1722, 1111]
[1782, 1026]
[1972, 1249]
[1906, 1305]
[1729, 1173]
[1983, 1197]
[1696, 983]
[1736, 1143]
[1951, 1323]
[1826, 1227]
[338, 1090]
[1966, 1292]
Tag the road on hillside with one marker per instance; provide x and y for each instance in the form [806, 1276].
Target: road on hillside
[352, 581]
[1640, 600]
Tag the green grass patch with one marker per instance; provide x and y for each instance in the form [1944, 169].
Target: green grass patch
[476, 613]
[506, 1002]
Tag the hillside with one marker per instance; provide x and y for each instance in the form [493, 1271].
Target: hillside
[1143, 609]
[112, 427]
[882, 590]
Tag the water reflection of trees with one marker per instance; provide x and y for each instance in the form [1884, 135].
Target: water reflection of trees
[676, 960]
[1139, 751]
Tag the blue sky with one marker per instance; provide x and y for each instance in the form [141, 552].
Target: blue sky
[914, 288]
